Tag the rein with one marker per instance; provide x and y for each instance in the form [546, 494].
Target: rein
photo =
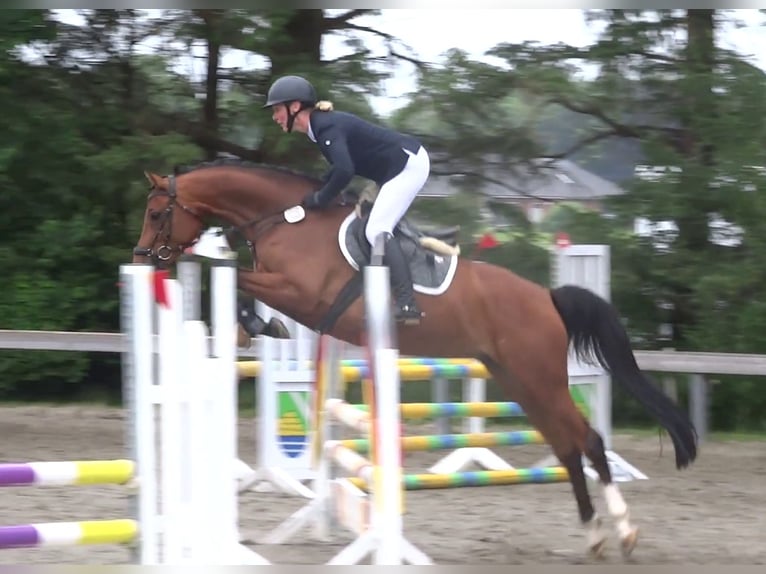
[164, 234]
[273, 219]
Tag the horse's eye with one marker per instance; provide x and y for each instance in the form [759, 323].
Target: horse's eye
[155, 215]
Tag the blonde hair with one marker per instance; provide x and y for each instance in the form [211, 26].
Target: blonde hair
[323, 106]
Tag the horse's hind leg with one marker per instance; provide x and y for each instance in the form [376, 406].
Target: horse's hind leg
[570, 457]
[550, 409]
[582, 439]
[616, 506]
[566, 431]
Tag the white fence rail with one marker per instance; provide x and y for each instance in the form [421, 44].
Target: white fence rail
[659, 361]
[696, 364]
[73, 341]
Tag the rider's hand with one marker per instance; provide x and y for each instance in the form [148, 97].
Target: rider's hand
[311, 201]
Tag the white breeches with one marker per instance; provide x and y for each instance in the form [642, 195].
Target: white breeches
[396, 195]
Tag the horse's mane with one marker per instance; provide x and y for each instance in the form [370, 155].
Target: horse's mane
[245, 164]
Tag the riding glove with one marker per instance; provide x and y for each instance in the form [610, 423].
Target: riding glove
[311, 201]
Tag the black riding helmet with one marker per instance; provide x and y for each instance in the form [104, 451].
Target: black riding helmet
[290, 89]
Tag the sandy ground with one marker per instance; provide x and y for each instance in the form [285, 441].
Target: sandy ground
[713, 513]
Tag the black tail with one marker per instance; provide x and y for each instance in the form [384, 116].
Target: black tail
[595, 331]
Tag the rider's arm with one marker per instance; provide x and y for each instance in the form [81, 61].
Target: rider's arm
[342, 169]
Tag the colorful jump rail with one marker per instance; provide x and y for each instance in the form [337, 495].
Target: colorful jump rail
[461, 410]
[428, 481]
[433, 410]
[67, 473]
[451, 441]
[410, 369]
[418, 369]
[89, 532]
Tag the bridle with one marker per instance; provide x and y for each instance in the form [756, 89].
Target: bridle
[165, 231]
[166, 251]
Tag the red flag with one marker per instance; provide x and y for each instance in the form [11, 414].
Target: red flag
[488, 241]
[562, 239]
[160, 292]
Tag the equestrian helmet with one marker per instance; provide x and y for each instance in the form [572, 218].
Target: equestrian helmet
[290, 89]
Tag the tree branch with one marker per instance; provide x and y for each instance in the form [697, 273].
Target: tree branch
[593, 138]
[618, 128]
[360, 28]
[337, 21]
[350, 57]
[658, 57]
[343, 24]
[482, 177]
[417, 63]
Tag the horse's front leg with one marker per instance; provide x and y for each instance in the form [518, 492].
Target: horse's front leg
[270, 288]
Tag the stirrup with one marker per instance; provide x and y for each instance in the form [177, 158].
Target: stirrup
[408, 315]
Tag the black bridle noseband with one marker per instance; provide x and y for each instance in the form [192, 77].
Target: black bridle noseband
[165, 232]
[166, 251]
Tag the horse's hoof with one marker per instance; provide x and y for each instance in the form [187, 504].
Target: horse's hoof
[628, 542]
[276, 329]
[596, 549]
[596, 538]
[244, 341]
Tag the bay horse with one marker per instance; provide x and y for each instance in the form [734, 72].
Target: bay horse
[519, 330]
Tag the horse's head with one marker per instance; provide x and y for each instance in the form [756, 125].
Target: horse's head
[170, 226]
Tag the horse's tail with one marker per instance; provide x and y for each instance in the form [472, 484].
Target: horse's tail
[594, 329]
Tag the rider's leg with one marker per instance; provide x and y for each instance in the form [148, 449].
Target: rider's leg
[406, 309]
[255, 325]
[393, 200]
[251, 321]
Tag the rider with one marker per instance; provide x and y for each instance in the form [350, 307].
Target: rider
[398, 163]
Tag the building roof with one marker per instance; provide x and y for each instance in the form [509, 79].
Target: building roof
[555, 180]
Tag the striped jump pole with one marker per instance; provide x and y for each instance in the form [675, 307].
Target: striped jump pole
[412, 367]
[68, 473]
[421, 372]
[466, 456]
[121, 531]
[473, 388]
[433, 410]
[71, 473]
[452, 441]
[428, 481]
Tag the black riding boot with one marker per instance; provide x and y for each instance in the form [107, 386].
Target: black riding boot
[251, 322]
[255, 325]
[406, 309]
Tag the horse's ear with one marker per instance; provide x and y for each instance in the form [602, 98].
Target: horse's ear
[153, 178]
